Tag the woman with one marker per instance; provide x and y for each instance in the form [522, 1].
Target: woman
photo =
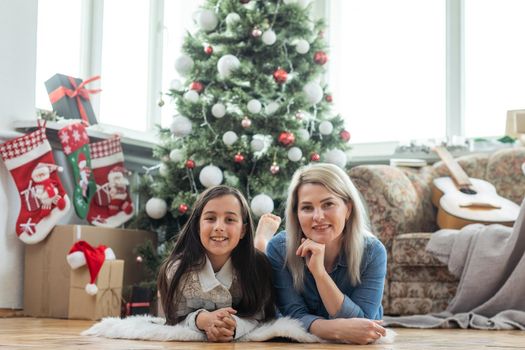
[328, 268]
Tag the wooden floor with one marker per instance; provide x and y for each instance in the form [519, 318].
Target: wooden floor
[33, 333]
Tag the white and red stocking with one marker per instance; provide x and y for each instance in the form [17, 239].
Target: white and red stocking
[44, 201]
[112, 205]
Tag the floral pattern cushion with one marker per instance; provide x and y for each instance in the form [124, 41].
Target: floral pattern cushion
[433, 290]
[414, 306]
[505, 173]
[419, 274]
[409, 249]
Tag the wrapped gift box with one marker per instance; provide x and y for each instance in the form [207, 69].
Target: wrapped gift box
[47, 275]
[108, 299]
[70, 98]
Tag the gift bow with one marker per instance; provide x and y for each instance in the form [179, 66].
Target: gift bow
[79, 92]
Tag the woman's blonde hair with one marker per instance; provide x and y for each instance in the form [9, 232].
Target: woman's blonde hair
[356, 229]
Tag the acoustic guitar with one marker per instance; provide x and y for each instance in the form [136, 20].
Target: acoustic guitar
[462, 200]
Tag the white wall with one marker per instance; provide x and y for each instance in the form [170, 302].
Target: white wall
[18, 26]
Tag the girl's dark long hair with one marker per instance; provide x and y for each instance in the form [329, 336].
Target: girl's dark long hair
[252, 267]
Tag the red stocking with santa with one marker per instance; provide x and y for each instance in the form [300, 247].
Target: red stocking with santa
[32, 166]
[111, 206]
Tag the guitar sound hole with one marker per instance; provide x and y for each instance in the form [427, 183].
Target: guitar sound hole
[467, 191]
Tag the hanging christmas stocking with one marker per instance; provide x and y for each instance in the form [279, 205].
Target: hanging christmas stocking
[44, 202]
[111, 206]
[75, 143]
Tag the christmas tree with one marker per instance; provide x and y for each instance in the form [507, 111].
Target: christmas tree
[254, 107]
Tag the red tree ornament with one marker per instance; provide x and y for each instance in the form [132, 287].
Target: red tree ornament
[286, 138]
[197, 86]
[183, 208]
[320, 57]
[239, 158]
[190, 164]
[256, 32]
[329, 98]
[280, 76]
[344, 135]
[208, 50]
[246, 122]
[274, 169]
[315, 157]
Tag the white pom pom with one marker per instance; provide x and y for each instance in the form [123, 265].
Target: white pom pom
[91, 289]
[181, 126]
[229, 138]
[313, 92]
[218, 110]
[227, 64]
[76, 259]
[337, 157]
[207, 20]
[184, 65]
[302, 46]
[191, 96]
[156, 208]
[176, 155]
[295, 154]
[261, 204]
[210, 176]
[271, 108]
[303, 134]
[269, 37]
[110, 255]
[326, 128]
[254, 106]
[257, 145]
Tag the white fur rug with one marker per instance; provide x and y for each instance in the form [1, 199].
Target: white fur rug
[153, 328]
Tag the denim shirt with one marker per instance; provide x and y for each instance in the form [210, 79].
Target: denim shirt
[363, 300]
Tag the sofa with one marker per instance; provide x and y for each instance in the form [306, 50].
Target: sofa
[403, 217]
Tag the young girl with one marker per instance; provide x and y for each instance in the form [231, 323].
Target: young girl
[215, 281]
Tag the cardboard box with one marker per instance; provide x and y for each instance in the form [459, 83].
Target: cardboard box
[59, 86]
[107, 301]
[47, 273]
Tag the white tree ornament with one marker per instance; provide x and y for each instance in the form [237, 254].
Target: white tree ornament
[164, 170]
[326, 127]
[184, 65]
[313, 92]
[271, 108]
[227, 64]
[254, 106]
[261, 204]
[176, 84]
[191, 96]
[269, 37]
[257, 145]
[303, 134]
[180, 126]
[337, 157]
[218, 110]
[207, 20]
[210, 176]
[156, 208]
[229, 138]
[176, 155]
[302, 46]
[232, 18]
[295, 154]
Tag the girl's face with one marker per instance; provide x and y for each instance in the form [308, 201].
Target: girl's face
[221, 228]
[322, 215]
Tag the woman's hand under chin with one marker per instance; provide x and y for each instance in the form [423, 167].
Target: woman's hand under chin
[313, 253]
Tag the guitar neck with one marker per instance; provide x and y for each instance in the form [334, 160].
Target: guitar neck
[457, 173]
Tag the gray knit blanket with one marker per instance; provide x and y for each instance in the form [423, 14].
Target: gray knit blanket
[490, 263]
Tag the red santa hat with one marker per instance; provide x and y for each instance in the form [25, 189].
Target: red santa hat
[81, 157]
[49, 166]
[82, 253]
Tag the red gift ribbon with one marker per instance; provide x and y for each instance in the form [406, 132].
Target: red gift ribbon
[78, 92]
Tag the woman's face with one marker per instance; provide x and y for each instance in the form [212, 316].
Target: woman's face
[322, 215]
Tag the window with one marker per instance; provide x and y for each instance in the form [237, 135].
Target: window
[388, 68]
[494, 64]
